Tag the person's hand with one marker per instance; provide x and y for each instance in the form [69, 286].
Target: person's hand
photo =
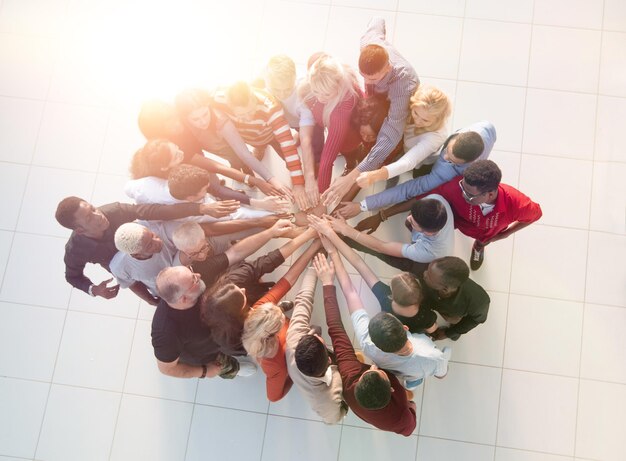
[328, 245]
[104, 291]
[366, 179]
[322, 226]
[264, 186]
[274, 203]
[312, 192]
[219, 209]
[348, 210]
[333, 195]
[300, 197]
[369, 224]
[269, 220]
[281, 227]
[282, 189]
[338, 224]
[325, 271]
[439, 334]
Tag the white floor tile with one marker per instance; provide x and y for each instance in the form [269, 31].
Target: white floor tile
[27, 280]
[608, 198]
[121, 141]
[611, 111]
[484, 345]
[538, 412]
[492, 9]
[389, 5]
[470, 392]
[125, 304]
[552, 117]
[240, 393]
[216, 433]
[26, 62]
[143, 376]
[20, 120]
[549, 262]
[579, 13]
[140, 419]
[605, 280]
[342, 37]
[534, 340]
[368, 444]
[438, 58]
[509, 454]
[6, 239]
[109, 188]
[601, 421]
[495, 273]
[12, 185]
[293, 405]
[604, 346]
[94, 351]
[495, 52]
[613, 64]
[443, 7]
[614, 15]
[22, 404]
[501, 105]
[71, 137]
[509, 163]
[315, 440]
[69, 411]
[39, 17]
[573, 68]
[29, 341]
[429, 449]
[278, 23]
[41, 201]
[564, 198]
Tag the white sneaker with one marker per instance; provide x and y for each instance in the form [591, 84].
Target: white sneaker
[447, 352]
[246, 367]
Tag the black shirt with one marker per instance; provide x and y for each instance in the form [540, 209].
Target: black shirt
[179, 334]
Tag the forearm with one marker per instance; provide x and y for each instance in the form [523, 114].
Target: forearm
[354, 259]
[308, 158]
[288, 248]
[216, 167]
[514, 227]
[234, 140]
[245, 247]
[466, 324]
[142, 291]
[402, 207]
[388, 248]
[77, 279]
[236, 225]
[302, 262]
[226, 193]
[183, 370]
[345, 282]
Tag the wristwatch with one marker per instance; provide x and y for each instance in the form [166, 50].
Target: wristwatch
[204, 370]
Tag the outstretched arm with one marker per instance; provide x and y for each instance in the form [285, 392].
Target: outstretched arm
[349, 292]
[247, 246]
[388, 248]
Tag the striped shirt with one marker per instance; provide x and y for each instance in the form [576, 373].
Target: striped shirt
[266, 124]
[399, 85]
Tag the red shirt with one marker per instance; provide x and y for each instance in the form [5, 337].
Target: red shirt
[277, 381]
[397, 416]
[510, 206]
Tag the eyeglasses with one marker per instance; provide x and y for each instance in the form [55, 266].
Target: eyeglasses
[193, 254]
[466, 194]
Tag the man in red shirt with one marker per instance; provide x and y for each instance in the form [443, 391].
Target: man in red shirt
[483, 208]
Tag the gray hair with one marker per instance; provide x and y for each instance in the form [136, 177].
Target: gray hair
[187, 236]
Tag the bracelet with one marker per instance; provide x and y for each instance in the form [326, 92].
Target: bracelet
[246, 180]
[204, 370]
[90, 290]
[382, 215]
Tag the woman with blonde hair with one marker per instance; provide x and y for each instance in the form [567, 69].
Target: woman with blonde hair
[331, 91]
[425, 133]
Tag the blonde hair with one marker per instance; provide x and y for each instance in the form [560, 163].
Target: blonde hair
[260, 330]
[281, 68]
[188, 235]
[405, 289]
[326, 75]
[129, 237]
[437, 104]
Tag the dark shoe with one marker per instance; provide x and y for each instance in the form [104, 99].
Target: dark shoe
[477, 257]
[285, 306]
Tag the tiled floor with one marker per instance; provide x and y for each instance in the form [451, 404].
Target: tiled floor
[543, 380]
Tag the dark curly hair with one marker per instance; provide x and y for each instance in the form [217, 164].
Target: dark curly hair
[485, 175]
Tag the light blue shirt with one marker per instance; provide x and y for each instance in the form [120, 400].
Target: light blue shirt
[443, 171]
[426, 248]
